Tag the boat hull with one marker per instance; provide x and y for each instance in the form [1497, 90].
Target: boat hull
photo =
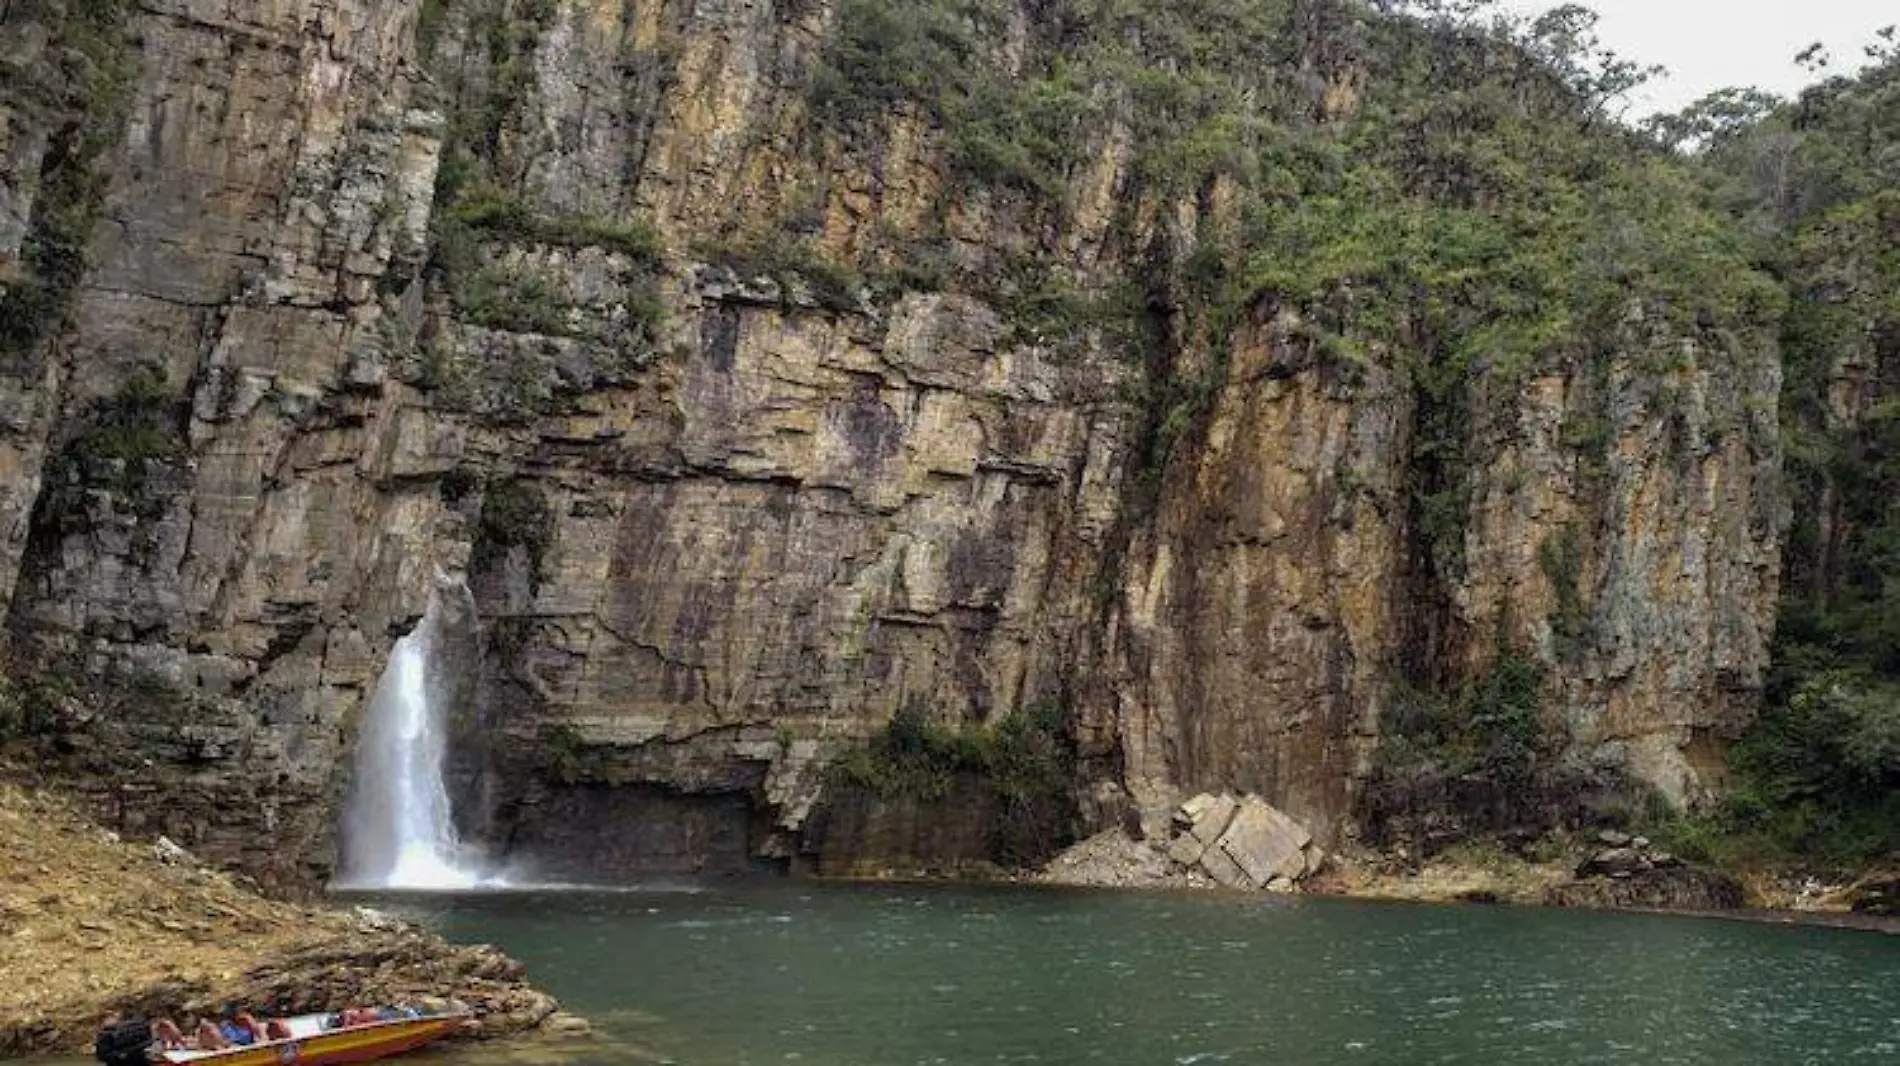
[336, 1047]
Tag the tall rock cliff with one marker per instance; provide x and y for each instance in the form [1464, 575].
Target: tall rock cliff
[770, 370]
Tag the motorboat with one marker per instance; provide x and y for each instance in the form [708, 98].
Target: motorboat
[304, 1040]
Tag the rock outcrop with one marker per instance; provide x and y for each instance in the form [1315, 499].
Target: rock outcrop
[748, 431]
[1626, 872]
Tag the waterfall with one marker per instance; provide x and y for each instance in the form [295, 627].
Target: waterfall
[398, 826]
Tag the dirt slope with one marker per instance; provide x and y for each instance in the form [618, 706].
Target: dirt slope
[90, 925]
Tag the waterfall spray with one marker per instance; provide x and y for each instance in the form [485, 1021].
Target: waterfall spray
[398, 826]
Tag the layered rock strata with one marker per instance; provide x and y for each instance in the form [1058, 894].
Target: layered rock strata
[378, 290]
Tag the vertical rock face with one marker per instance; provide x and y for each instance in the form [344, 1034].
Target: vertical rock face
[1643, 566]
[383, 288]
[1269, 604]
[837, 520]
[216, 531]
[1260, 620]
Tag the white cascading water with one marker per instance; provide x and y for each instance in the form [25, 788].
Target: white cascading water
[398, 827]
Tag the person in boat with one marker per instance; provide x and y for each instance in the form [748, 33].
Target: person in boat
[123, 1042]
[236, 1034]
[210, 1038]
[245, 1030]
[168, 1035]
[397, 1013]
[277, 1029]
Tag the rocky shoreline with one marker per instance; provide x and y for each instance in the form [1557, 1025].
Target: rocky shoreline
[1637, 879]
[95, 926]
[1604, 870]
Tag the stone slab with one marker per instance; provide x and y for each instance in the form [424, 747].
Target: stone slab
[1225, 871]
[1315, 858]
[1192, 810]
[1214, 819]
[1266, 843]
[1187, 849]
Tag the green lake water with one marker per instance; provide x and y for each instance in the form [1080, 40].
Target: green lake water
[794, 972]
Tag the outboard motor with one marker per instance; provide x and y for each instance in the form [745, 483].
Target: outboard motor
[124, 1044]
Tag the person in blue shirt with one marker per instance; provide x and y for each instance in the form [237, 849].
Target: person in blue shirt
[242, 1031]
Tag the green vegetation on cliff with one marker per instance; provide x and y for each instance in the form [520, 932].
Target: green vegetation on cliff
[1492, 727]
[31, 707]
[123, 459]
[514, 516]
[1439, 206]
[1424, 190]
[1818, 182]
[1023, 766]
[930, 58]
[503, 260]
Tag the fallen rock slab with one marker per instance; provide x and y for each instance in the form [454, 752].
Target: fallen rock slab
[1266, 844]
[1187, 850]
[1207, 817]
[1225, 871]
[1243, 842]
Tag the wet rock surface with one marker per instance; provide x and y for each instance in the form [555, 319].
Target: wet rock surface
[95, 926]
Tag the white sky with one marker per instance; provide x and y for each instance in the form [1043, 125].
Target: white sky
[1713, 44]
